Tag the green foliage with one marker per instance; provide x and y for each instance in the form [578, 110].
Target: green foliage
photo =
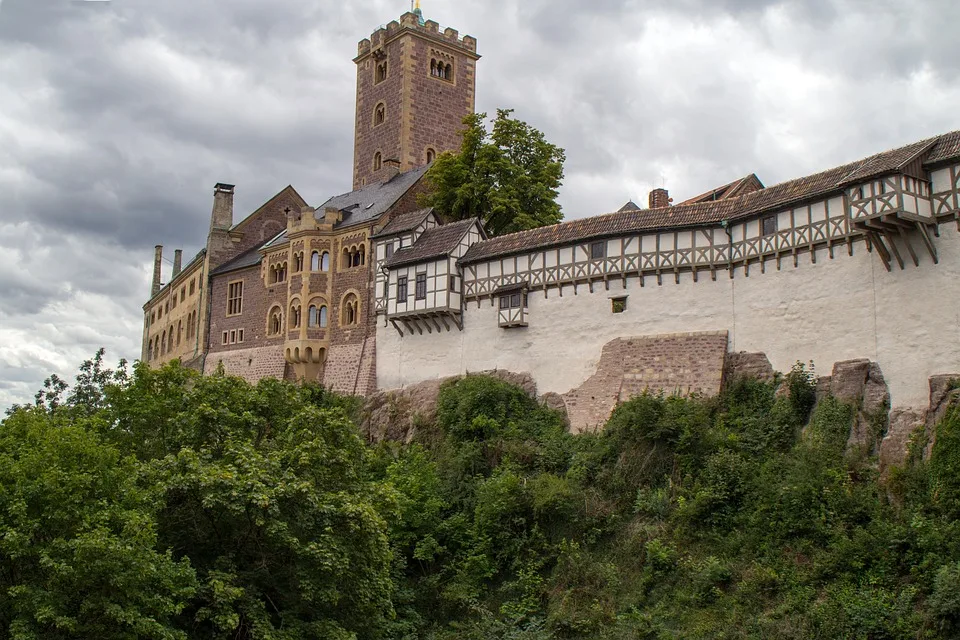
[159, 503]
[508, 177]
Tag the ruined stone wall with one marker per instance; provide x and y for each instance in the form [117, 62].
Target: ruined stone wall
[678, 363]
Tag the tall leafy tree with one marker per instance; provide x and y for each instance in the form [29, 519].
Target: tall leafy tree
[507, 176]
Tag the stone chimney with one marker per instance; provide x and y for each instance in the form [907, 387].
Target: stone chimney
[659, 198]
[391, 169]
[222, 216]
[177, 263]
[157, 259]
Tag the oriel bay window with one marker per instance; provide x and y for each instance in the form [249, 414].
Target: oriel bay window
[513, 308]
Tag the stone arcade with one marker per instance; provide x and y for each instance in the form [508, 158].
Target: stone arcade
[368, 292]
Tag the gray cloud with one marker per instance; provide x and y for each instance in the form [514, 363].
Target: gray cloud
[117, 118]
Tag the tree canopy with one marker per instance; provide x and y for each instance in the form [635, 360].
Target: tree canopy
[508, 176]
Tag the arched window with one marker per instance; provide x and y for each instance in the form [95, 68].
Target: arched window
[275, 322]
[179, 331]
[350, 311]
[325, 262]
[315, 261]
[298, 262]
[377, 161]
[431, 155]
[295, 316]
[313, 318]
[379, 114]
[381, 72]
[323, 317]
[448, 72]
[170, 341]
[163, 344]
[433, 68]
[346, 261]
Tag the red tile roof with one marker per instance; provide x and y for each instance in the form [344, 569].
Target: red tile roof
[693, 214]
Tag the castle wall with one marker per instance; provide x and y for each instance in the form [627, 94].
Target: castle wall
[831, 310]
[249, 364]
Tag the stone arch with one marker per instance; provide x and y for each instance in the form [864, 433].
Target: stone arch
[350, 310]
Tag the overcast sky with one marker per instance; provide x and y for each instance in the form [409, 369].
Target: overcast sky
[117, 118]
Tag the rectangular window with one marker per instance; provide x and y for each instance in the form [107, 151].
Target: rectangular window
[453, 283]
[513, 300]
[619, 305]
[598, 250]
[389, 251]
[240, 335]
[769, 225]
[183, 294]
[421, 293]
[225, 337]
[402, 289]
[235, 298]
[233, 336]
[193, 286]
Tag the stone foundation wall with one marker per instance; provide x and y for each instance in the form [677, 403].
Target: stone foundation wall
[681, 363]
[249, 364]
[352, 368]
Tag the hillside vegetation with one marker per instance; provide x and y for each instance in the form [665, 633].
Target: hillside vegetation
[162, 504]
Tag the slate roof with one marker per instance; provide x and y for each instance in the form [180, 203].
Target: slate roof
[371, 201]
[249, 258]
[630, 206]
[405, 223]
[432, 244]
[693, 214]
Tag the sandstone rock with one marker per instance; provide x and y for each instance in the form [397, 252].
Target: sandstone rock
[894, 448]
[824, 387]
[942, 397]
[849, 379]
[555, 401]
[747, 365]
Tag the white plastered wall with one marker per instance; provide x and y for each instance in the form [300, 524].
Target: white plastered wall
[848, 307]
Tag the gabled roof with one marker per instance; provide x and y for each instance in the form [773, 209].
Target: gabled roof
[630, 206]
[371, 201]
[249, 258]
[744, 185]
[693, 214]
[286, 191]
[433, 243]
[404, 223]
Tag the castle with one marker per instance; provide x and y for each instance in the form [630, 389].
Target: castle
[370, 292]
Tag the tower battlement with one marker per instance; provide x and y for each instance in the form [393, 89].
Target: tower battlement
[410, 21]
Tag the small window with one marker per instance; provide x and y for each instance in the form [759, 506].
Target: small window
[598, 250]
[183, 294]
[193, 286]
[513, 300]
[315, 261]
[313, 317]
[769, 225]
[233, 336]
[402, 289]
[379, 114]
[377, 161]
[619, 305]
[431, 155]
[421, 292]
[153, 317]
[240, 335]
[323, 317]
[226, 337]
[453, 283]
[381, 72]
[325, 262]
[389, 251]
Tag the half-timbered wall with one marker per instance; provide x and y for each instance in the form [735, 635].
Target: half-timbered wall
[813, 289]
[438, 294]
[398, 242]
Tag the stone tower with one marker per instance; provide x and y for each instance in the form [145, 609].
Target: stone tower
[415, 84]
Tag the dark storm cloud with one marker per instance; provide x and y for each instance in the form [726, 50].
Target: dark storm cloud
[117, 118]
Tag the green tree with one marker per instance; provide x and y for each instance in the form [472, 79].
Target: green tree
[78, 539]
[507, 177]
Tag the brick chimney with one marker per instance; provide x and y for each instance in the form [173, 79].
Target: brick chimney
[222, 216]
[157, 259]
[659, 198]
[177, 263]
[391, 169]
